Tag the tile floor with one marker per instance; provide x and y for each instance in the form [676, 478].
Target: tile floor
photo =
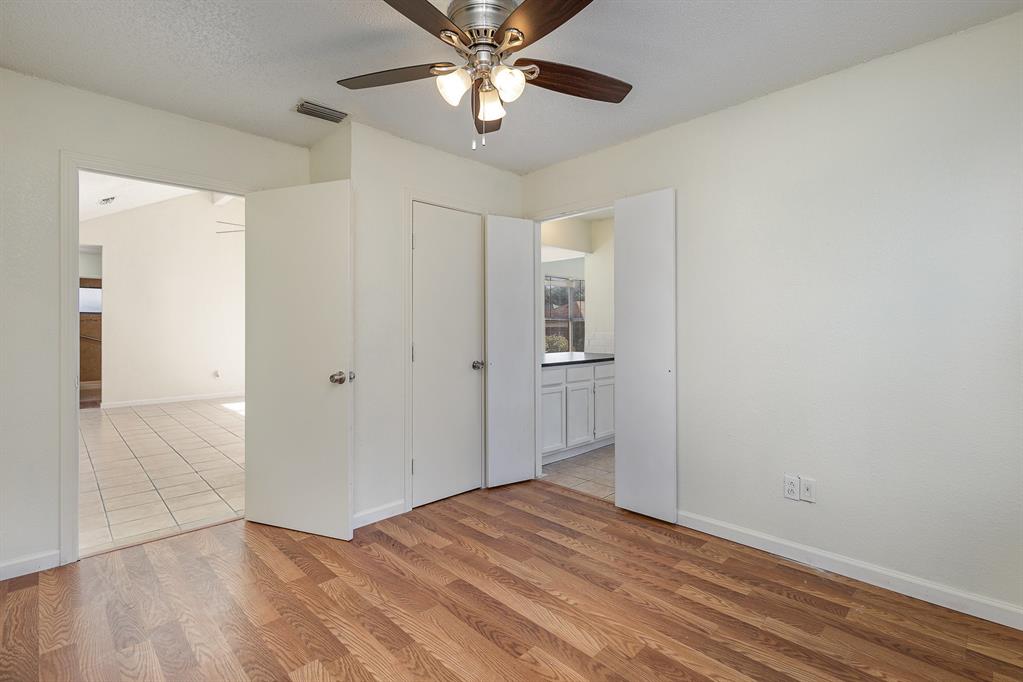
[591, 473]
[155, 470]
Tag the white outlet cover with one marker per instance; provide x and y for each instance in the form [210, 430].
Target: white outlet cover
[791, 487]
[807, 489]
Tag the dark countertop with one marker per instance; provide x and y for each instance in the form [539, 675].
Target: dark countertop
[558, 359]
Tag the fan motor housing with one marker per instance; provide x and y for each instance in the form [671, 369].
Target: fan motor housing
[480, 19]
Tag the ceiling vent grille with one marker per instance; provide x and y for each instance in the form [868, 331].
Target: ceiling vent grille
[319, 111]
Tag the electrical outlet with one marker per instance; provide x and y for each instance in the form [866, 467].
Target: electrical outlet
[807, 489]
[791, 489]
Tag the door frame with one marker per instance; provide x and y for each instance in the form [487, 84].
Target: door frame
[70, 164]
[540, 327]
[452, 203]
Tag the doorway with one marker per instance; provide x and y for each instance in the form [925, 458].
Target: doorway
[90, 325]
[448, 363]
[628, 396]
[578, 363]
[161, 424]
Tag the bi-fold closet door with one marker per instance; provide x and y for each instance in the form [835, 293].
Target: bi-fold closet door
[473, 337]
[646, 455]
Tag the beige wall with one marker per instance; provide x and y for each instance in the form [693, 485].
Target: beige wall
[38, 119]
[600, 264]
[567, 233]
[173, 300]
[849, 308]
[386, 172]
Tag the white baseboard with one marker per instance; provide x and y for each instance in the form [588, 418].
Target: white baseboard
[172, 399]
[364, 518]
[29, 564]
[577, 450]
[977, 605]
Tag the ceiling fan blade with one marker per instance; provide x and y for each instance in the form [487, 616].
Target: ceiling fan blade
[537, 18]
[481, 126]
[571, 80]
[391, 76]
[425, 15]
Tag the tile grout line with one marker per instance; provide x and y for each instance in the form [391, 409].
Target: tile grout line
[99, 492]
[150, 429]
[148, 478]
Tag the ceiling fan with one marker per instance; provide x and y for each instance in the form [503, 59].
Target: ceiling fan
[485, 33]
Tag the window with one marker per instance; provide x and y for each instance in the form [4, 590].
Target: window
[564, 303]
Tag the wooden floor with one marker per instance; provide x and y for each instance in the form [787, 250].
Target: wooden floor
[525, 582]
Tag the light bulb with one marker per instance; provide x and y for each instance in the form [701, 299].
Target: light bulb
[508, 81]
[453, 85]
[490, 105]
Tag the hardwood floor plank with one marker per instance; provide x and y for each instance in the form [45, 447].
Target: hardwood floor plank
[524, 582]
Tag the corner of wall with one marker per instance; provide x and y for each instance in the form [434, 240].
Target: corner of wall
[331, 157]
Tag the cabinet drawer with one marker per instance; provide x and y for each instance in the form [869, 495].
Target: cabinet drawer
[584, 373]
[553, 376]
[604, 371]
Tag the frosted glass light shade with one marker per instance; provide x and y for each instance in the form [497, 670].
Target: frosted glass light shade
[453, 85]
[490, 106]
[508, 81]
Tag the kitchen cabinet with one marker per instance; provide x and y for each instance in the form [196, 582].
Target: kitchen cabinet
[577, 409]
[552, 417]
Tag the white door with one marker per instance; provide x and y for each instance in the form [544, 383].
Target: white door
[511, 351]
[448, 363]
[298, 333]
[579, 413]
[646, 459]
[603, 408]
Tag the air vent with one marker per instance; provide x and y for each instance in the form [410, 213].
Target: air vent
[319, 111]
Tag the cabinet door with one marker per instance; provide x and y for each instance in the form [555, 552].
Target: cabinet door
[579, 413]
[603, 408]
[552, 417]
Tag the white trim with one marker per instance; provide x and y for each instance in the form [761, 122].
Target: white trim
[540, 347]
[173, 399]
[70, 164]
[384, 511]
[29, 564]
[977, 605]
[578, 450]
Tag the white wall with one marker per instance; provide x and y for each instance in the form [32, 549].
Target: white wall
[173, 300]
[600, 291]
[331, 157]
[38, 119]
[573, 268]
[90, 264]
[849, 308]
[386, 170]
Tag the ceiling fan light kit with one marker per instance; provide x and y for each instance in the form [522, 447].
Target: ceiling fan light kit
[485, 33]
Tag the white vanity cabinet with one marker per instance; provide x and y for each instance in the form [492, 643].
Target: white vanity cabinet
[577, 409]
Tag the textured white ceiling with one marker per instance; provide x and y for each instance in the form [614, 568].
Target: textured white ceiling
[246, 64]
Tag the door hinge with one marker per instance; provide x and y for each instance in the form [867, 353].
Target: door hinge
[413, 352]
[413, 241]
[413, 466]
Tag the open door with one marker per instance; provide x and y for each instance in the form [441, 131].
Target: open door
[646, 458]
[298, 336]
[511, 350]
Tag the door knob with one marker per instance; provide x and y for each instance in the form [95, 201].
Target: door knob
[477, 364]
[339, 377]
